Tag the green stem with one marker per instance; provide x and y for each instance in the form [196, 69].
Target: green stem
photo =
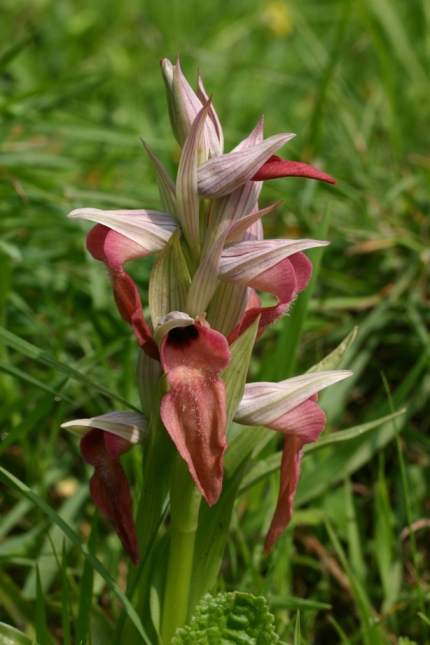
[184, 508]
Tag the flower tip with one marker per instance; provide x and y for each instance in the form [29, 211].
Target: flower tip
[75, 213]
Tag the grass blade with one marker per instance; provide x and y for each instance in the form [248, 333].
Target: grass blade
[35, 353]
[19, 486]
[86, 587]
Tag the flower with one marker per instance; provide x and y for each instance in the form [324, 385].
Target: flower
[212, 259]
[103, 440]
[289, 407]
[194, 410]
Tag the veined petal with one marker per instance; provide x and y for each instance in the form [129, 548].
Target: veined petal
[273, 266]
[166, 186]
[300, 426]
[184, 105]
[227, 306]
[150, 229]
[239, 228]
[182, 102]
[221, 175]
[254, 232]
[276, 167]
[216, 143]
[241, 262]
[109, 486]
[290, 471]
[237, 204]
[114, 250]
[289, 407]
[131, 426]
[187, 198]
[230, 208]
[194, 409]
[267, 403]
[205, 279]
[255, 136]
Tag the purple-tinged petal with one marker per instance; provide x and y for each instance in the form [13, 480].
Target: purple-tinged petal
[253, 233]
[244, 261]
[289, 407]
[267, 403]
[216, 144]
[114, 250]
[131, 426]
[227, 306]
[205, 279]
[239, 228]
[221, 175]
[109, 486]
[240, 202]
[302, 425]
[279, 280]
[276, 167]
[182, 102]
[230, 208]
[150, 229]
[184, 105]
[273, 266]
[255, 136]
[194, 409]
[166, 186]
[187, 198]
[290, 471]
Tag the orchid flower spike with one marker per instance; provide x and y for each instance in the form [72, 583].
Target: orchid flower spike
[103, 440]
[211, 261]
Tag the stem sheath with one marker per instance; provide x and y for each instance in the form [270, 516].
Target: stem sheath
[184, 504]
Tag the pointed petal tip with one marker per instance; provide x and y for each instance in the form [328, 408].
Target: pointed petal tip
[275, 168]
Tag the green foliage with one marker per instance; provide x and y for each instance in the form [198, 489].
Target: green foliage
[238, 617]
[11, 636]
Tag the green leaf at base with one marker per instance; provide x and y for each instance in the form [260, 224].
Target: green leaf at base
[236, 617]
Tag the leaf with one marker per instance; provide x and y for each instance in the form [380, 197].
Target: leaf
[235, 617]
[214, 521]
[297, 629]
[41, 626]
[331, 361]
[234, 376]
[11, 52]
[86, 589]
[24, 376]
[169, 281]
[293, 604]
[37, 354]
[52, 544]
[65, 600]
[19, 486]
[11, 636]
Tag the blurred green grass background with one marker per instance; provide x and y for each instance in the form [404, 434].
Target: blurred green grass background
[79, 84]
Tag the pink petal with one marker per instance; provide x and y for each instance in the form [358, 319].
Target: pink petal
[276, 167]
[221, 175]
[109, 486]
[302, 425]
[306, 421]
[194, 410]
[114, 250]
[284, 281]
[290, 471]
